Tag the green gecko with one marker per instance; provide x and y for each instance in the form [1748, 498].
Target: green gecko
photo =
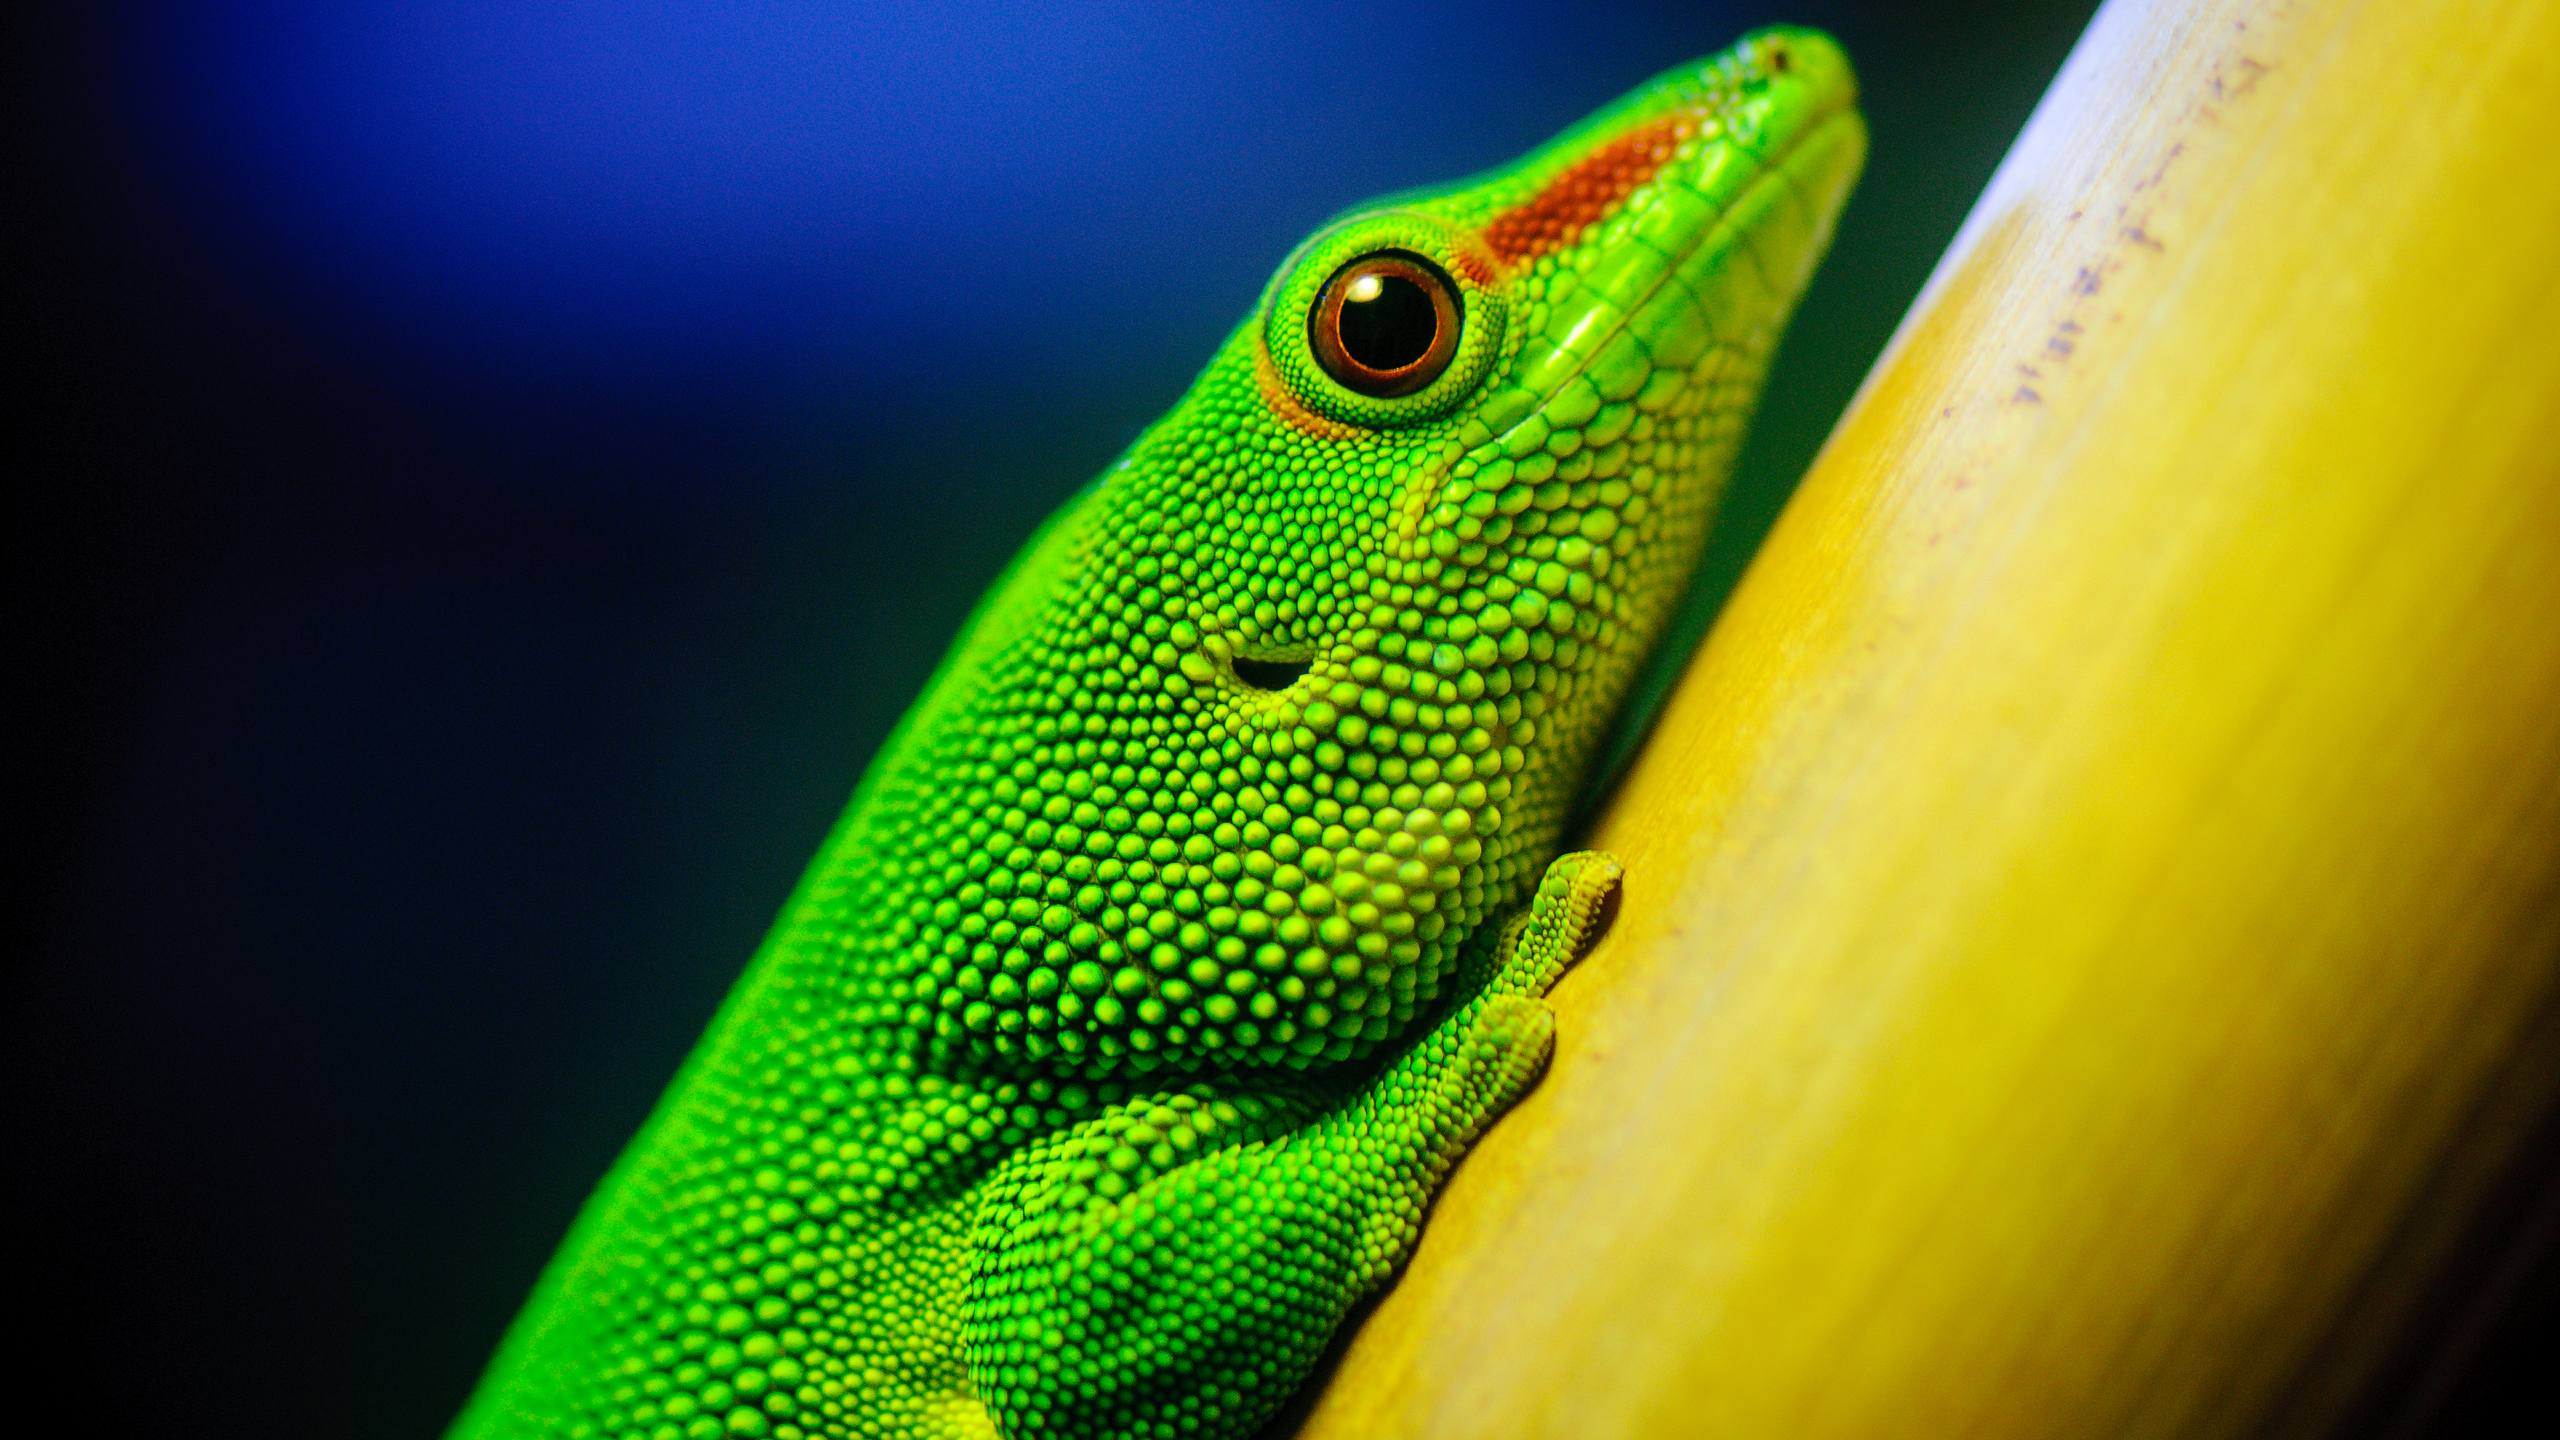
[1114, 1044]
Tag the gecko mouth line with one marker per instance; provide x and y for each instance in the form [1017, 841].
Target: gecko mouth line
[1770, 170]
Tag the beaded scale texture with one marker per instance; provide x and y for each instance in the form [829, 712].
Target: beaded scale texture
[1195, 921]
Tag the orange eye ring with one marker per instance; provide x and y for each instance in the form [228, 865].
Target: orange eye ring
[1386, 324]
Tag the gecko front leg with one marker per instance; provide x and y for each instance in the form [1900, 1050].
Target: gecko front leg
[1175, 1265]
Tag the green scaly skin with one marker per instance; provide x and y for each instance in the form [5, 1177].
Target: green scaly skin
[1116, 1041]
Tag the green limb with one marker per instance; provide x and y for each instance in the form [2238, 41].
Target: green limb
[1575, 899]
[1175, 1265]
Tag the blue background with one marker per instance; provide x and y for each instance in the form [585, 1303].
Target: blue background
[502, 468]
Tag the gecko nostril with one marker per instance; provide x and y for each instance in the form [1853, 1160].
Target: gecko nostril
[1270, 674]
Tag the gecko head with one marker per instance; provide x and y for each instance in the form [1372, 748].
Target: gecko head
[1645, 255]
[1311, 676]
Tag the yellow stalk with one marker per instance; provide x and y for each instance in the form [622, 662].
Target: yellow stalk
[2093, 915]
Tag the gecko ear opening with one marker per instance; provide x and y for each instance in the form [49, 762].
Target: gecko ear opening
[1271, 674]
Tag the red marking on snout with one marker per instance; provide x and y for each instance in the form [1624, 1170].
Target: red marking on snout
[1588, 190]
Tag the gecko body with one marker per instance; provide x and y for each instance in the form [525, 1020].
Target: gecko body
[1196, 919]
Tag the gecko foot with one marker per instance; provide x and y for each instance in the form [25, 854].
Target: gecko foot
[1576, 900]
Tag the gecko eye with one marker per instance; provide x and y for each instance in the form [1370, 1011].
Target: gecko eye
[1386, 324]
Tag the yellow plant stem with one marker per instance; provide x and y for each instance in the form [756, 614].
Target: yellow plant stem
[2093, 908]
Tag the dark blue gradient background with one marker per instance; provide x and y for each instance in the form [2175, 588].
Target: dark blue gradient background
[501, 468]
